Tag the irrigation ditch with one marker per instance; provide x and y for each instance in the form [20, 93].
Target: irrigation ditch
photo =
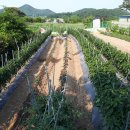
[56, 75]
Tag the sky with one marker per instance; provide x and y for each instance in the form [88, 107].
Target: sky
[63, 5]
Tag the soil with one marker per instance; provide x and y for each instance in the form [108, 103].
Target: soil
[75, 88]
[122, 45]
[50, 66]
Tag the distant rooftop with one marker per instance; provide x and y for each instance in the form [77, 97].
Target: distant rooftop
[124, 16]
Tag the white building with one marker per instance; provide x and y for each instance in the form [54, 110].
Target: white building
[96, 26]
[58, 20]
[96, 23]
[124, 21]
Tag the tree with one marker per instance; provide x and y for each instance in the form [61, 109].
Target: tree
[12, 27]
[88, 21]
[29, 19]
[72, 19]
[14, 11]
[75, 19]
[126, 5]
[38, 20]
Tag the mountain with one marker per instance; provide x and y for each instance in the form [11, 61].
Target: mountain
[31, 11]
[107, 13]
[101, 12]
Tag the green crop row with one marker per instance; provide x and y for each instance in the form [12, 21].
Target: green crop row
[54, 27]
[120, 30]
[119, 59]
[113, 100]
[43, 121]
[117, 35]
[25, 53]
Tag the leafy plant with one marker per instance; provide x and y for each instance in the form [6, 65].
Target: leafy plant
[42, 121]
[113, 101]
[12, 28]
[24, 54]
[119, 59]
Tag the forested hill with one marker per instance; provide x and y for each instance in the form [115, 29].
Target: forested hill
[31, 11]
[101, 12]
[107, 13]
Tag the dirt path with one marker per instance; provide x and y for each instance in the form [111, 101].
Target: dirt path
[50, 64]
[122, 45]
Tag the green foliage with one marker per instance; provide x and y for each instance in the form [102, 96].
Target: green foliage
[24, 54]
[113, 100]
[120, 30]
[45, 121]
[73, 19]
[14, 11]
[34, 20]
[39, 20]
[12, 29]
[107, 14]
[119, 59]
[54, 27]
[33, 12]
[114, 28]
[88, 22]
[125, 4]
[28, 19]
[117, 35]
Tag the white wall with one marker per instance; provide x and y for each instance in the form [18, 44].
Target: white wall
[96, 23]
[124, 20]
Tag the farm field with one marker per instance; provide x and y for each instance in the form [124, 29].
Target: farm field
[57, 76]
[103, 64]
[66, 70]
[36, 26]
[53, 59]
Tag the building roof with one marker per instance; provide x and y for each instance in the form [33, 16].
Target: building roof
[124, 16]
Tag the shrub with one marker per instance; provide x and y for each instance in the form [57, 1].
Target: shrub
[12, 27]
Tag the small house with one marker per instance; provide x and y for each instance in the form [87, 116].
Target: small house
[58, 20]
[55, 21]
[124, 19]
[97, 22]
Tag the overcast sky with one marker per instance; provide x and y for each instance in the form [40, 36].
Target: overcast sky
[64, 5]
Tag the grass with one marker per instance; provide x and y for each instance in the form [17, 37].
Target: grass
[117, 35]
[41, 120]
[36, 26]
